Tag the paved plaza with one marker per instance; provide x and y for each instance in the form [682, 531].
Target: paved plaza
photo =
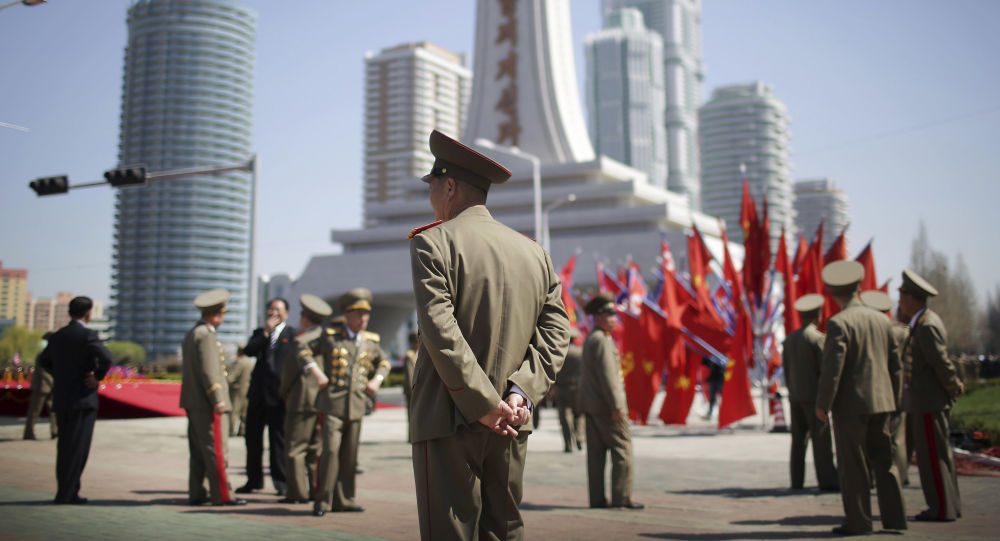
[697, 483]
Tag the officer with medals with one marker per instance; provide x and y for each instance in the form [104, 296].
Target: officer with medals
[801, 355]
[931, 385]
[205, 398]
[856, 383]
[353, 368]
[299, 389]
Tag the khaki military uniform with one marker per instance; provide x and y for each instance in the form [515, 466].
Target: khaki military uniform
[349, 363]
[299, 389]
[491, 316]
[203, 385]
[860, 362]
[931, 385]
[801, 356]
[41, 396]
[602, 393]
[567, 399]
[239, 383]
[897, 421]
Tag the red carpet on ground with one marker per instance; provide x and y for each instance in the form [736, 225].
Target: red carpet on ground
[127, 399]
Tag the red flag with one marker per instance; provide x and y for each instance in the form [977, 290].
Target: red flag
[642, 359]
[867, 260]
[700, 317]
[605, 283]
[566, 277]
[801, 249]
[681, 390]
[838, 250]
[748, 212]
[737, 402]
[764, 245]
[672, 308]
[698, 261]
[885, 287]
[782, 265]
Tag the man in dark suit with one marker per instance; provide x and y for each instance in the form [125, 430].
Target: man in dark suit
[77, 360]
[270, 345]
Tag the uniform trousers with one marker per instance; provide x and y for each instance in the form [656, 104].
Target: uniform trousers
[863, 446]
[76, 430]
[205, 461]
[36, 402]
[570, 420]
[805, 427]
[897, 427]
[469, 485]
[937, 464]
[604, 435]
[258, 416]
[337, 463]
[303, 442]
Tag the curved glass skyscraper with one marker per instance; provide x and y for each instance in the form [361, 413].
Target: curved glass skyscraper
[187, 101]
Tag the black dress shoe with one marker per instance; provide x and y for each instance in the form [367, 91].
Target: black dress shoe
[840, 530]
[198, 501]
[318, 512]
[75, 500]
[927, 516]
[598, 506]
[245, 489]
[293, 500]
[348, 509]
[632, 505]
[233, 502]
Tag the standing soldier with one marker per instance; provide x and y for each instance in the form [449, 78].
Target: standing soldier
[240, 367]
[409, 364]
[205, 398]
[931, 386]
[493, 335]
[567, 396]
[602, 399]
[860, 361]
[353, 369]
[41, 396]
[299, 390]
[802, 353]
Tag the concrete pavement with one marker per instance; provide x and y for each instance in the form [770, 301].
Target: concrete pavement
[697, 483]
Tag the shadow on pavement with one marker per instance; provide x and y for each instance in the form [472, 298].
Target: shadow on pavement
[740, 492]
[806, 520]
[90, 503]
[539, 507]
[724, 536]
[255, 511]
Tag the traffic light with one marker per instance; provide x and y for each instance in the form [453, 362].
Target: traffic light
[50, 185]
[126, 176]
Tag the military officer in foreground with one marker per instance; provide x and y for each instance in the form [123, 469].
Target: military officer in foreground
[860, 361]
[567, 396]
[299, 389]
[205, 398]
[880, 302]
[602, 399]
[353, 369]
[493, 334]
[931, 386]
[801, 355]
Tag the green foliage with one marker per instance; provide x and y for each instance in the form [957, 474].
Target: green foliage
[21, 340]
[127, 354]
[979, 407]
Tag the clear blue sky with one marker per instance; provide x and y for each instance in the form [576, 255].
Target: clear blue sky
[895, 100]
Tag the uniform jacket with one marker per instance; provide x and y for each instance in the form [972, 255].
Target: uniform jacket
[203, 375]
[491, 316]
[801, 356]
[602, 390]
[409, 365]
[41, 381]
[568, 379]
[266, 377]
[71, 353]
[931, 378]
[860, 362]
[299, 388]
[349, 365]
[238, 376]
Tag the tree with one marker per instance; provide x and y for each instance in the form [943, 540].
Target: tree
[127, 354]
[956, 302]
[22, 341]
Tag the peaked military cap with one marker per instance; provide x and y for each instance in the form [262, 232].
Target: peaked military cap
[915, 285]
[843, 277]
[809, 302]
[359, 298]
[212, 300]
[876, 300]
[603, 303]
[458, 161]
[314, 308]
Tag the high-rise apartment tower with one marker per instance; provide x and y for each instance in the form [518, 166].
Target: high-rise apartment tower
[187, 102]
[819, 200]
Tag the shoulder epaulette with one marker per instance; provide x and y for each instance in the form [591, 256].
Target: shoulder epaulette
[371, 336]
[417, 230]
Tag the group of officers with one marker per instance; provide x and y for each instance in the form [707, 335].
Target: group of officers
[888, 386]
[494, 337]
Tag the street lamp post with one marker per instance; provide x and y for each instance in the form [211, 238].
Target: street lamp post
[546, 235]
[536, 176]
